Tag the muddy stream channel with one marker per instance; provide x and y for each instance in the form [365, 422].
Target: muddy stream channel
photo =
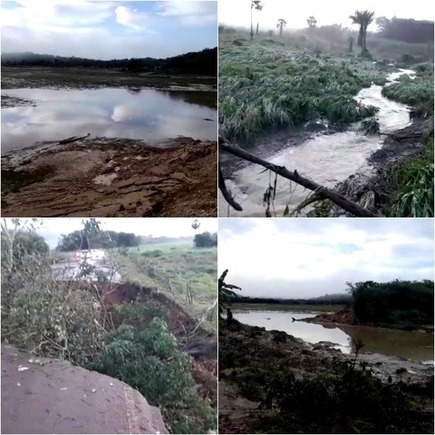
[325, 158]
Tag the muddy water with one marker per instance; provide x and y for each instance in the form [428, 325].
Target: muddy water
[416, 346]
[145, 114]
[327, 159]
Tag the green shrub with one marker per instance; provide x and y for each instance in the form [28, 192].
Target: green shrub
[151, 361]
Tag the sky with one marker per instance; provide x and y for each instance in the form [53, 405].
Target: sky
[52, 229]
[108, 29]
[238, 12]
[303, 258]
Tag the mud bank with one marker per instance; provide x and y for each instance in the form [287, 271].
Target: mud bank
[111, 177]
[257, 367]
[347, 317]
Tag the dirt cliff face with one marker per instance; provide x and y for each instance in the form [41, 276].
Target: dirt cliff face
[42, 395]
[111, 177]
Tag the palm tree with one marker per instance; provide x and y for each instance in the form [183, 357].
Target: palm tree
[255, 4]
[363, 19]
[258, 7]
[281, 23]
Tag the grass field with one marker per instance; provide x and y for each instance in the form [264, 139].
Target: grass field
[174, 270]
[266, 83]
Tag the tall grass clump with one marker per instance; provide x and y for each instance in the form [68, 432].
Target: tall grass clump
[263, 86]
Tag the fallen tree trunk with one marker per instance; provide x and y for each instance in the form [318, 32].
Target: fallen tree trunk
[322, 191]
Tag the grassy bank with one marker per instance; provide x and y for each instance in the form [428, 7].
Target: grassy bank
[184, 273]
[265, 84]
[411, 182]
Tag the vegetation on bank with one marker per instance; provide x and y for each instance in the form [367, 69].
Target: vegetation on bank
[49, 318]
[201, 62]
[411, 183]
[184, 273]
[409, 302]
[264, 84]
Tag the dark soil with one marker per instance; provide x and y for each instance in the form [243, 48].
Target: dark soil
[271, 382]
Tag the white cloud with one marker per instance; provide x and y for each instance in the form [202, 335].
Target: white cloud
[190, 13]
[131, 18]
[319, 256]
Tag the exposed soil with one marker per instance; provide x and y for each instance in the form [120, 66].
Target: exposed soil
[248, 355]
[347, 316]
[44, 395]
[82, 78]
[104, 177]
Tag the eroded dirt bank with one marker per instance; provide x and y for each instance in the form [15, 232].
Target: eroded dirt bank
[111, 177]
[271, 382]
[347, 317]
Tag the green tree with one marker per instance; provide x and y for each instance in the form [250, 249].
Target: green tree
[205, 240]
[363, 19]
[280, 25]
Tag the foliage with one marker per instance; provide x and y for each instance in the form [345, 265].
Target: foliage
[406, 29]
[393, 302]
[225, 292]
[152, 362]
[363, 19]
[205, 240]
[99, 240]
[370, 126]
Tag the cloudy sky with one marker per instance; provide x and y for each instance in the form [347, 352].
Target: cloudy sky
[107, 29]
[52, 229]
[237, 12]
[312, 257]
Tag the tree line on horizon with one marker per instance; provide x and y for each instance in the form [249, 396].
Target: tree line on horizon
[200, 62]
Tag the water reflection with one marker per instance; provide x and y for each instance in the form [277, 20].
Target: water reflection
[138, 114]
[416, 346]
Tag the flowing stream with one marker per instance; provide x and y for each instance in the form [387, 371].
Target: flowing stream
[326, 158]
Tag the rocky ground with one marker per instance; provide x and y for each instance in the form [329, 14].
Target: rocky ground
[271, 382]
[43, 395]
[111, 177]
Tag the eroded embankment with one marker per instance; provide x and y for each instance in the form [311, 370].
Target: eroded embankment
[271, 382]
[111, 177]
[196, 341]
[348, 317]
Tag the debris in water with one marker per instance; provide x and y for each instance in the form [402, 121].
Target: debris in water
[22, 368]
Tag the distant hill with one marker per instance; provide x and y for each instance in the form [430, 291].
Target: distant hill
[334, 299]
[200, 62]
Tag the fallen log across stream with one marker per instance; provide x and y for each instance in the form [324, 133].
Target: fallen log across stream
[321, 191]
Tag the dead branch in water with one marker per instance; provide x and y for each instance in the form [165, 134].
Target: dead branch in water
[321, 191]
